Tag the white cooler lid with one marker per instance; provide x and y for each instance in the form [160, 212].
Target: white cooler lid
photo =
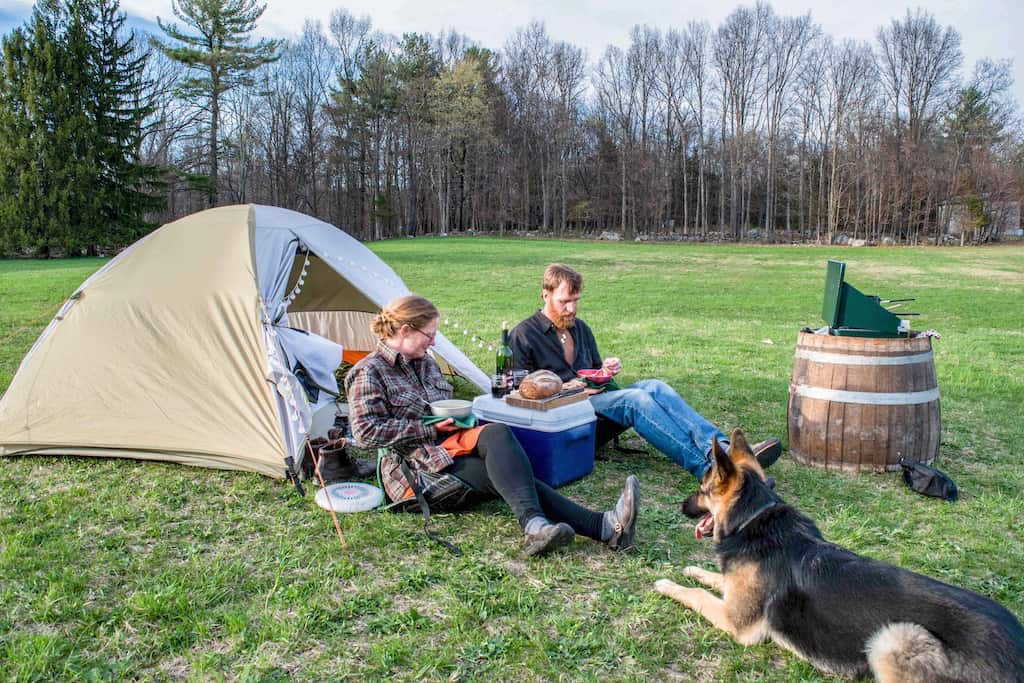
[558, 419]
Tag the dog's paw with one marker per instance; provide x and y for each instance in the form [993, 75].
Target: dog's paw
[693, 572]
[665, 586]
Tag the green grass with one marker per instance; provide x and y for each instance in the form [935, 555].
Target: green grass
[114, 570]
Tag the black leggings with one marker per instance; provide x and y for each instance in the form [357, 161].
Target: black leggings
[499, 467]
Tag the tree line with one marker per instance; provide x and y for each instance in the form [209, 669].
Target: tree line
[762, 128]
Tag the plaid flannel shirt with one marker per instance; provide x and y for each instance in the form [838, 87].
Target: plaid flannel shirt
[387, 396]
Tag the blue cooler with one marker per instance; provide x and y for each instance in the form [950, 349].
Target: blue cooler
[559, 441]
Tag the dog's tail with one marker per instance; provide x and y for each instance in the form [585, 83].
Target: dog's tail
[906, 652]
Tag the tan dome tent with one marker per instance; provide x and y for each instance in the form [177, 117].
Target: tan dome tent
[183, 347]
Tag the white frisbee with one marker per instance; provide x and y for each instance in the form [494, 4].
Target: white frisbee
[349, 496]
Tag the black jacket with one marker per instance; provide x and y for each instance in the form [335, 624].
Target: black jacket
[535, 346]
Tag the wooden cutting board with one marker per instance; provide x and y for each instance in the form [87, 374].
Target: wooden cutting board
[514, 399]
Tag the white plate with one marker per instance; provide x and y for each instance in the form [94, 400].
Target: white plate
[349, 496]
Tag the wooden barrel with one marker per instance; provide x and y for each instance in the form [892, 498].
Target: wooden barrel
[861, 404]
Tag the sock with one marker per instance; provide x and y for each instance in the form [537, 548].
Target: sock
[609, 517]
[535, 524]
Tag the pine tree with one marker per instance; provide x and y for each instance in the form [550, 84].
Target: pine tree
[70, 123]
[14, 153]
[220, 55]
[27, 131]
[119, 113]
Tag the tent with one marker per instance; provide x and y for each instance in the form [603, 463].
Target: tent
[185, 346]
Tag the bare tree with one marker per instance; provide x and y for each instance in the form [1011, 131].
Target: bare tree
[568, 74]
[739, 55]
[849, 72]
[695, 47]
[460, 116]
[788, 38]
[761, 115]
[316, 65]
[617, 102]
[673, 83]
[418, 67]
[527, 80]
[918, 60]
[172, 122]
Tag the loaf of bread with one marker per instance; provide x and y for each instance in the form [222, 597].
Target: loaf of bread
[540, 384]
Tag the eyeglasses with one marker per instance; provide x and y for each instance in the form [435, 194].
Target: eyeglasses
[431, 337]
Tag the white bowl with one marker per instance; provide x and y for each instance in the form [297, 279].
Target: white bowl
[452, 407]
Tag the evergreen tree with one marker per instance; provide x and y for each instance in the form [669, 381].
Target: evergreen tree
[14, 140]
[70, 123]
[220, 55]
[29, 213]
[120, 112]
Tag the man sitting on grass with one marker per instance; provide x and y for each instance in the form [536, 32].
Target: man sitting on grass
[555, 339]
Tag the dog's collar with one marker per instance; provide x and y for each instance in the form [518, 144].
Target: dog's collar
[757, 513]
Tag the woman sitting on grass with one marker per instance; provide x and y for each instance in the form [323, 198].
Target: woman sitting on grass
[391, 389]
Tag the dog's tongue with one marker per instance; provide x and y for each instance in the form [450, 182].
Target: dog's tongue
[705, 527]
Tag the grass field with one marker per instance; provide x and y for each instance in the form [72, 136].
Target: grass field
[114, 570]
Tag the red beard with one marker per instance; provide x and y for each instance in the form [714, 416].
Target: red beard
[565, 322]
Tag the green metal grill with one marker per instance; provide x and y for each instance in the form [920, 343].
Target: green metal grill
[851, 313]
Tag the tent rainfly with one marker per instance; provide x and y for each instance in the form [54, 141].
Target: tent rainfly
[184, 347]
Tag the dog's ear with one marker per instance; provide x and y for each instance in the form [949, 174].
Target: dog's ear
[738, 443]
[721, 462]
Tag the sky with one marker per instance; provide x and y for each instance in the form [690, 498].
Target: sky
[988, 28]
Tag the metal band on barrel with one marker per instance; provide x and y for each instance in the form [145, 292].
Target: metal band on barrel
[875, 398]
[840, 359]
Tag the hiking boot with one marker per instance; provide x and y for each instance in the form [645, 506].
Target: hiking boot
[549, 537]
[310, 455]
[623, 516]
[332, 462]
[767, 452]
[337, 465]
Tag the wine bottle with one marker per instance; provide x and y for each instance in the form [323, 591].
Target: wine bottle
[503, 366]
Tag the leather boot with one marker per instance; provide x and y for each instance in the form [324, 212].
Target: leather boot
[336, 464]
[308, 459]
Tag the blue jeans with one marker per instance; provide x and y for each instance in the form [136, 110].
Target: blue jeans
[665, 420]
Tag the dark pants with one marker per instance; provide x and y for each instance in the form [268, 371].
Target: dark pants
[606, 431]
[499, 467]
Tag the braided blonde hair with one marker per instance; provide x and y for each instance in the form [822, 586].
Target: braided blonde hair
[412, 310]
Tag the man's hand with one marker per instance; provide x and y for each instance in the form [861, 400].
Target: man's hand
[447, 425]
[578, 383]
[612, 366]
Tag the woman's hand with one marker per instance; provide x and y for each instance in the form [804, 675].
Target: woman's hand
[447, 425]
[612, 366]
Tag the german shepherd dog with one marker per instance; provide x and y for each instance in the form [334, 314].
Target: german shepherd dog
[844, 613]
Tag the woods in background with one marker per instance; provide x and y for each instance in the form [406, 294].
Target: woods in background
[761, 128]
